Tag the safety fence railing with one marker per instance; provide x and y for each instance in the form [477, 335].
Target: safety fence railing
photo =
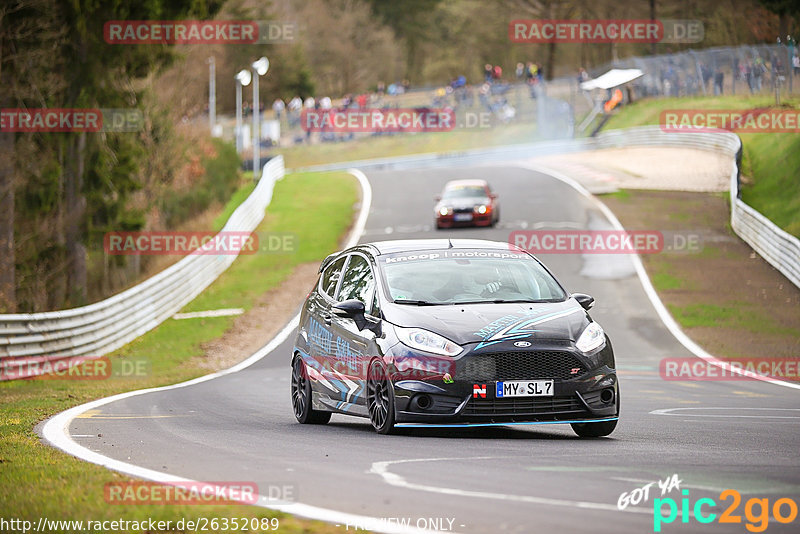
[779, 248]
[31, 343]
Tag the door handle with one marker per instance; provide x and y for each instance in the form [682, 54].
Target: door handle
[327, 319]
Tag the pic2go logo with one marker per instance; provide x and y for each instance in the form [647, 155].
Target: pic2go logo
[756, 511]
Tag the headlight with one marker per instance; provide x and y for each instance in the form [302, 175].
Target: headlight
[591, 338]
[443, 211]
[419, 338]
[481, 209]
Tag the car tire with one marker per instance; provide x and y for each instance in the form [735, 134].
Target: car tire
[594, 430]
[301, 397]
[380, 399]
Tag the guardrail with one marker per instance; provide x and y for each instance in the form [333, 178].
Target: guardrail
[31, 343]
[779, 248]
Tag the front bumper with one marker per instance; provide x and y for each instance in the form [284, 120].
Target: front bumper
[592, 398]
[448, 221]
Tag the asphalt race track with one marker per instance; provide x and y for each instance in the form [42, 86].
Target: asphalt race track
[741, 435]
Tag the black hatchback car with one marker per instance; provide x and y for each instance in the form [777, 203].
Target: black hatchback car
[450, 333]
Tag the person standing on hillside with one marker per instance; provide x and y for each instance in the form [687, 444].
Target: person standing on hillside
[487, 73]
[295, 107]
[533, 71]
[497, 73]
[278, 106]
[719, 79]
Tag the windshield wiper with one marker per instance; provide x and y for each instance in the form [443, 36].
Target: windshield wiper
[497, 301]
[415, 302]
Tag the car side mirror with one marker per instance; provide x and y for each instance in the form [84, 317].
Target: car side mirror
[349, 308]
[355, 310]
[584, 300]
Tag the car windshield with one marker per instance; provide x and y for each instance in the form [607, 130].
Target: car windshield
[467, 277]
[464, 192]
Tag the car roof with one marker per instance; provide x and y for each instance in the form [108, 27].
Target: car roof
[413, 245]
[378, 248]
[463, 183]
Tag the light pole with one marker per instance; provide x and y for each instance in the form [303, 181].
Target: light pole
[260, 68]
[791, 46]
[212, 94]
[242, 78]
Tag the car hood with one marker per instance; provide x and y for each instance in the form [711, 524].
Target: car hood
[491, 323]
[466, 202]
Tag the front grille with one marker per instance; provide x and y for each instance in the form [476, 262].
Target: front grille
[523, 365]
[525, 406]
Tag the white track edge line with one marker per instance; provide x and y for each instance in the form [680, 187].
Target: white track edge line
[649, 290]
[393, 479]
[56, 429]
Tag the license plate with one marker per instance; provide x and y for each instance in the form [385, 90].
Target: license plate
[462, 217]
[525, 388]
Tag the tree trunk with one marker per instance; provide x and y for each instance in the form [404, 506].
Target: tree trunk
[413, 62]
[783, 26]
[75, 207]
[653, 17]
[551, 60]
[8, 299]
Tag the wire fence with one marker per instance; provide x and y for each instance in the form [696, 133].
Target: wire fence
[553, 107]
[748, 69]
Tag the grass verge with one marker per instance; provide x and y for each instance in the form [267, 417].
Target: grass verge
[770, 162]
[39, 481]
[724, 296]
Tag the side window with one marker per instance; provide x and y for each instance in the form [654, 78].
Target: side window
[331, 276]
[357, 282]
[375, 311]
